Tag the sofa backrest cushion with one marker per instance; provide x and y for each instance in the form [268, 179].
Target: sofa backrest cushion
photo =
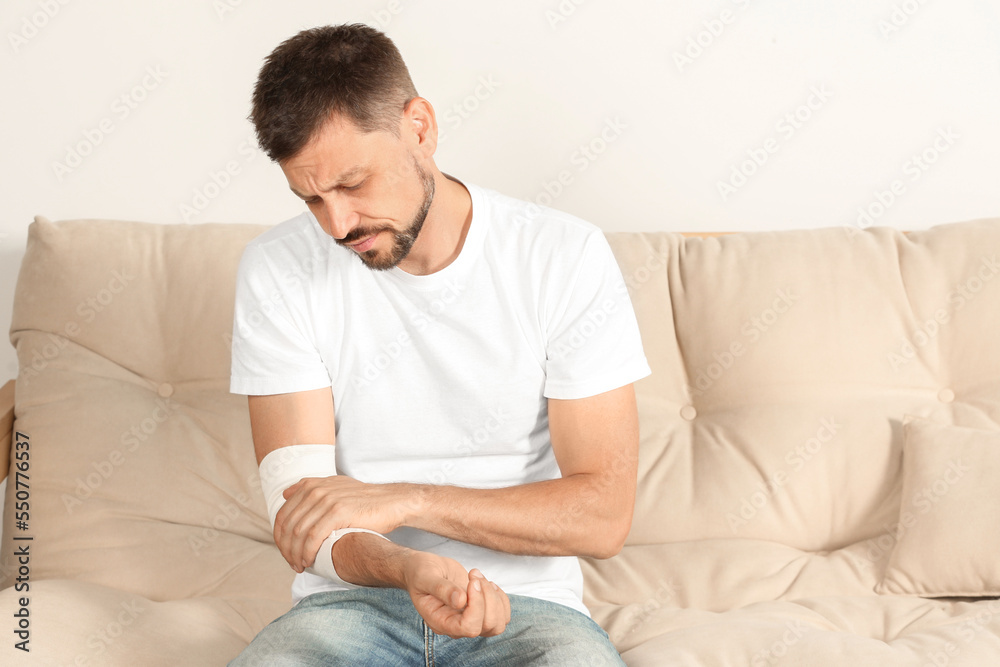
[783, 364]
[142, 469]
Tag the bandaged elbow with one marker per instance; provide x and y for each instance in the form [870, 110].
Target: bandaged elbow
[283, 467]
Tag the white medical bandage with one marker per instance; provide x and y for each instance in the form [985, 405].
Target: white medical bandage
[285, 466]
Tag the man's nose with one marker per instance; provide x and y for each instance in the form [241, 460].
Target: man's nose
[338, 216]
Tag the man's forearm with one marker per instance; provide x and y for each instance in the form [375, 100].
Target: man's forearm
[368, 560]
[586, 512]
[585, 515]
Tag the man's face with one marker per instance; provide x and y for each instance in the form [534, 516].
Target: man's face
[367, 191]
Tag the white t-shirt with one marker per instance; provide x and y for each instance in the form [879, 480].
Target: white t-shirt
[443, 378]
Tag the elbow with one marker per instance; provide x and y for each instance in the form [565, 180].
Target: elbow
[611, 539]
[606, 551]
[602, 531]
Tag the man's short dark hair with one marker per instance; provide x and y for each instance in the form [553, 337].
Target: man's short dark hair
[352, 71]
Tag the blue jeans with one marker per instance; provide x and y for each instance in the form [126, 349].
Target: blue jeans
[380, 627]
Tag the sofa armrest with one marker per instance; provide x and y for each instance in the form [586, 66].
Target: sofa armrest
[6, 428]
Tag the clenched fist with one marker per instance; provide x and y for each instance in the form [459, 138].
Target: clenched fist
[452, 601]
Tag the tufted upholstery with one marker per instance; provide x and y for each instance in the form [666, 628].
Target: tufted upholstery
[149, 527]
[783, 364]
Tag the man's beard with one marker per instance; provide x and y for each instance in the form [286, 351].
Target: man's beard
[402, 241]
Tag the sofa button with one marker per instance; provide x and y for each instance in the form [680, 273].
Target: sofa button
[165, 390]
[946, 395]
[688, 412]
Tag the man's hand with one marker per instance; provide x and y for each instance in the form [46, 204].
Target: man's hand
[316, 506]
[452, 601]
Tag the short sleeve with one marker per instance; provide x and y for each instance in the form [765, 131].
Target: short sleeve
[272, 351]
[592, 338]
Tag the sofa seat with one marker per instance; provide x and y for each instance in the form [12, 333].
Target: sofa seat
[731, 602]
[831, 631]
[80, 623]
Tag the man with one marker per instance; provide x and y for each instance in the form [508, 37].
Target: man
[443, 426]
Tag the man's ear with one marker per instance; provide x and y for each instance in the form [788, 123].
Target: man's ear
[419, 126]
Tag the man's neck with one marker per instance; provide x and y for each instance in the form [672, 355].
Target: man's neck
[441, 239]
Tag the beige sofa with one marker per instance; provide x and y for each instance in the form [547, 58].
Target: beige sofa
[819, 459]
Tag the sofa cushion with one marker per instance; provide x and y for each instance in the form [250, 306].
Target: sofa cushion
[142, 471]
[948, 533]
[137, 294]
[889, 631]
[78, 623]
[783, 364]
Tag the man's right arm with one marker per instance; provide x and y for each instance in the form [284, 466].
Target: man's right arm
[452, 601]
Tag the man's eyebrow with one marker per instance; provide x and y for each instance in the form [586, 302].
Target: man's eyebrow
[345, 178]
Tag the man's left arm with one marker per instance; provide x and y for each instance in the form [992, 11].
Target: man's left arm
[586, 512]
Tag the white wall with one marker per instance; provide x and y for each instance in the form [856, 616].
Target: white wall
[895, 76]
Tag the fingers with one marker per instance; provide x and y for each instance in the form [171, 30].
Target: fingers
[315, 506]
[486, 595]
[450, 594]
[436, 587]
[471, 623]
[497, 621]
[481, 610]
[496, 606]
[299, 528]
[290, 531]
[458, 621]
[505, 605]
